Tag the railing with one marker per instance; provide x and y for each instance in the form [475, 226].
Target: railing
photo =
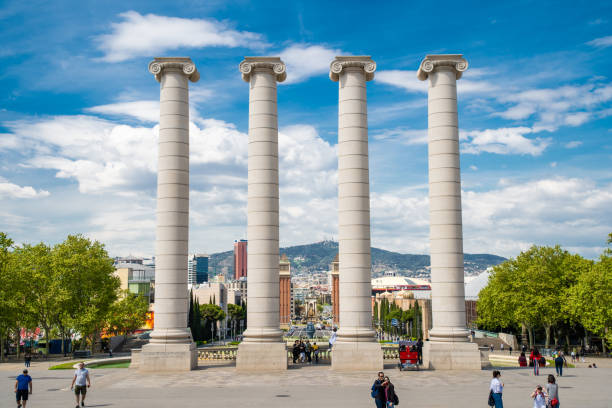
[325, 355]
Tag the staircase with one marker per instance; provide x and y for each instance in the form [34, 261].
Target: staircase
[131, 343]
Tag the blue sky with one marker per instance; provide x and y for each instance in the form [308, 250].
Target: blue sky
[78, 119]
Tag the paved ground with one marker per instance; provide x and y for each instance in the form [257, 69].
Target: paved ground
[306, 386]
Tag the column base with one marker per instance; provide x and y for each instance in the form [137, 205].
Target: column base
[261, 357]
[156, 357]
[357, 356]
[451, 356]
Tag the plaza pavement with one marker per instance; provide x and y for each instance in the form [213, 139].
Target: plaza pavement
[306, 386]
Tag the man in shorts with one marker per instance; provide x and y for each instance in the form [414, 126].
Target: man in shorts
[80, 383]
[23, 383]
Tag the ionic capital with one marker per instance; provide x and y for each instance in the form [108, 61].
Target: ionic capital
[359, 61]
[455, 62]
[165, 64]
[272, 64]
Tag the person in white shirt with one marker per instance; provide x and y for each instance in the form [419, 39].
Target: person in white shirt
[539, 397]
[81, 378]
[497, 387]
[332, 338]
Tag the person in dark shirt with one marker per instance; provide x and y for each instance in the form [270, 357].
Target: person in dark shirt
[23, 388]
[419, 347]
[378, 391]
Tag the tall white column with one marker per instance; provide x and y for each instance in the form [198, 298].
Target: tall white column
[171, 346]
[356, 347]
[263, 347]
[447, 347]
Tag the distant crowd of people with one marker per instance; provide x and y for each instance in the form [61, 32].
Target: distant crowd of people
[305, 352]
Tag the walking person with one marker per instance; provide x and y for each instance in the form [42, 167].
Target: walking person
[559, 361]
[391, 398]
[510, 349]
[419, 347]
[27, 358]
[315, 350]
[535, 359]
[552, 389]
[539, 397]
[80, 383]
[23, 388]
[496, 388]
[332, 338]
[573, 355]
[501, 347]
[377, 390]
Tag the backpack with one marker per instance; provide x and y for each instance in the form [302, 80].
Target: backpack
[395, 399]
[491, 401]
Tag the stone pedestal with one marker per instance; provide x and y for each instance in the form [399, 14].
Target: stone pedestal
[168, 357]
[357, 357]
[356, 347]
[439, 355]
[262, 357]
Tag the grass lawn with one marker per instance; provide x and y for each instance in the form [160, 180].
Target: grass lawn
[125, 364]
[63, 366]
[69, 365]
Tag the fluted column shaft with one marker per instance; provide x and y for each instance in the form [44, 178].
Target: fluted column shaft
[354, 199]
[446, 235]
[263, 220]
[171, 296]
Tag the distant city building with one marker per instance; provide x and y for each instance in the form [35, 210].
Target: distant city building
[137, 278]
[286, 291]
[240, 259]
[334, 285]
[237, 291]
[197, 267]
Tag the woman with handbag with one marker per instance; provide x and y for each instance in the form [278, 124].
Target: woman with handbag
[390, 396]
[495, 390]
[552, 389]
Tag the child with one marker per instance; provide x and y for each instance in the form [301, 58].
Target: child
[539, 397]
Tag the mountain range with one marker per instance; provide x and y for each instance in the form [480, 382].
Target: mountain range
[319, 255]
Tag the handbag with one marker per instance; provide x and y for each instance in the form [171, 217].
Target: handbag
[491, 401]
[554, 402]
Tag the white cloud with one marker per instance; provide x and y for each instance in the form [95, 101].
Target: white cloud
[138, 35]
[503, 141]
[473, 168]
[304, 61]
[602, 42]
[408, 81]
[554, 107]
[573, 144]
[402, 135]
[146, 111]
[505, 220]
[11, 190]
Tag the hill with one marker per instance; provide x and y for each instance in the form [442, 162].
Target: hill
[318, 256]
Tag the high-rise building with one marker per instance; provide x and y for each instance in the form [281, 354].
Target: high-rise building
[240, 259]
[197, 266]
[286, 294]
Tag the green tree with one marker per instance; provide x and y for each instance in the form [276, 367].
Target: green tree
[127, 314]
[43, 292]
[10, 290]
[591, 299]
[87, 272]
[235, 314]
[211, 314]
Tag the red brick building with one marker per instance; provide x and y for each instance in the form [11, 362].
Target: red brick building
[240, 259]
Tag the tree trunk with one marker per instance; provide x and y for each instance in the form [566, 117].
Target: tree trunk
[531, 337]
[63, 343]
[47, 340]
[547, 330]
[524, 335]
[567, 340]
[2, 346]
[18, 336]
[556, 336]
